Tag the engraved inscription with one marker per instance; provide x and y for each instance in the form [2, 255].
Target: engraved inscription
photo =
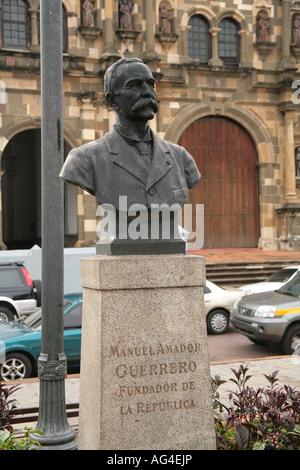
[156, 378]
[155, 369]
[116, 351]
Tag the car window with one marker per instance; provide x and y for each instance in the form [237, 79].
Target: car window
[292, 287]
[282, 276]
[73, 317]
[35, 319]
[206, 290]
[11, 278]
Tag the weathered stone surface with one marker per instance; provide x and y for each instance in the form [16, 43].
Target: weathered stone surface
[145, 379]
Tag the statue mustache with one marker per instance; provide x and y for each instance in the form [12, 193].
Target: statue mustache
[141, 103]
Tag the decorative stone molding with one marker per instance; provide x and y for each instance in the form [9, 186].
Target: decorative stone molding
[295, 50]
[264, 49]
[90, 33]
[127, 36]
[86, 97]
[166, 39]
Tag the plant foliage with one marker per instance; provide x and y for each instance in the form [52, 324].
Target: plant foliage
[9, 438]
[7, 405]
[263, 419]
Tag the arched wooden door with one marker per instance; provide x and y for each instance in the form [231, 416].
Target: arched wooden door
[227, 160]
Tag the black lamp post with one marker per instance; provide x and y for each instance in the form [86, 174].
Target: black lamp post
[52, 364]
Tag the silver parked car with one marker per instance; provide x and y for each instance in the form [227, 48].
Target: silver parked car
[218, 302]
[273, 282]
[271, 317]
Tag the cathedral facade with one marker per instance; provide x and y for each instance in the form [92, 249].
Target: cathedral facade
[228, 84]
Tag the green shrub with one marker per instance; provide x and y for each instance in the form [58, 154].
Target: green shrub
[7, 405]
[262, 419]
[9, 440]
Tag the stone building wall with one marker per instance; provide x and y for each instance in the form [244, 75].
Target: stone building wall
[256, 92]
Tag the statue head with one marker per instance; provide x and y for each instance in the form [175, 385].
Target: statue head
[129, 89]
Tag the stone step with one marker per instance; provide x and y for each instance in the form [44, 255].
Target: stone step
[238, 274]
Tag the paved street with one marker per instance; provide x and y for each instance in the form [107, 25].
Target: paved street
[233, 346]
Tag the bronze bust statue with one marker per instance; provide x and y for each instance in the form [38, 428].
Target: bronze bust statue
[131, 160]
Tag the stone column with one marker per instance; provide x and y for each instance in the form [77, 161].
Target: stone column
[86, 204]
[109, 50]
[243, 49]
[35, 47]
[290, 171]
[215, 61]
[286, 62]
[288, 212]
[184, 43]
[2, 244]
[150, 55]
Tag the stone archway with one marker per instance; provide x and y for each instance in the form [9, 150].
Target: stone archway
[264, 147]
[21, 192]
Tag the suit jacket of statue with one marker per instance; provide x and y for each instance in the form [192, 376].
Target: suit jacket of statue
[108, 168]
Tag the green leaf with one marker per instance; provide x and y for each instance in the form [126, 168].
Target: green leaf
[242, 435]
[4, 436]
[297, 428]
[260, 445]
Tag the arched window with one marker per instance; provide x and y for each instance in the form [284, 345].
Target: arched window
[16, 27]
[199, 43]
[229, 42]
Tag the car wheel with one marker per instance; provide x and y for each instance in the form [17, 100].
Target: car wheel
[217, 322]
[15, 367]
[291, 337]
[6, 314]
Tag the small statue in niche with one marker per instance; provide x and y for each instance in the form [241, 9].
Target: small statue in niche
[298, 161]
[88, 14]
[296, 32]
[165, 19]
[263, 27]
[125, 15]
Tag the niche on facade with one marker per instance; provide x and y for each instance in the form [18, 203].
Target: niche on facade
[126, 31]
[263, 43]
[295, 35]
[88, 28]
[166, 35]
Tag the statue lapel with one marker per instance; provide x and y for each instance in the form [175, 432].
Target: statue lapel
[161, 161]
[125, 157]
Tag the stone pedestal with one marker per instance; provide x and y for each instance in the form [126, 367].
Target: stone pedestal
[288, 226]
[145, 378]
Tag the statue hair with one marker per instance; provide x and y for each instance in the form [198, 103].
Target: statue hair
[112, 74]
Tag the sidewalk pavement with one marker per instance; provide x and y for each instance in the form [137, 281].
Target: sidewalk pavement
[289, 374]
[248, 255]
[288, 368]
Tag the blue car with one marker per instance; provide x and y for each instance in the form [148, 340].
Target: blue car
[20, 341]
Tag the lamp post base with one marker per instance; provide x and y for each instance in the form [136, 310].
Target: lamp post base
[52, 421]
